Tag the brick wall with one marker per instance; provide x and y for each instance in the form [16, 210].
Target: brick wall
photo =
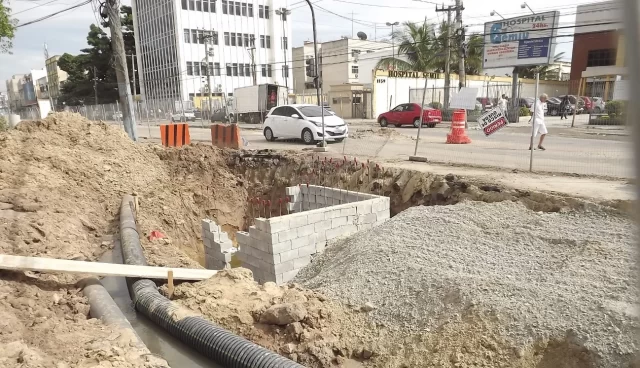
[218, 248]
[275, 249]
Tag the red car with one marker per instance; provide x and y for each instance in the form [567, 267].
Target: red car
[409, 114]
[588, 104]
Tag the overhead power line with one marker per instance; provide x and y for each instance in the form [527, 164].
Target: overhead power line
[53, 14]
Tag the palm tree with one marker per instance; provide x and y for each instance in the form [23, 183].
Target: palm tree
[420, 45]
[545, 71]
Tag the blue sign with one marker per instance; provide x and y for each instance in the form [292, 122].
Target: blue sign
[533, 48]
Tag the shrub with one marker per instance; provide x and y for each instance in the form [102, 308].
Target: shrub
[436, 105]
[524, 111]
[615, 108]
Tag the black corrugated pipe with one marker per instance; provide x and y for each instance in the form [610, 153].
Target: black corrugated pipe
[218, 344]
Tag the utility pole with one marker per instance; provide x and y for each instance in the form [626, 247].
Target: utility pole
[133, 75]
[462, 52]
[117, 43]
[318, 78]
[283, 13]
[252, 50]
[95, 84]
[447, 47]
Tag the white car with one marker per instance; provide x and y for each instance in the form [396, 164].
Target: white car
[186, 116]
[304, 122]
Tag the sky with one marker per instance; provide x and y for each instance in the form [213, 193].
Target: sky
[67, 32]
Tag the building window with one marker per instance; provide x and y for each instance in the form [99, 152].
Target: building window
[262, 42]
[233, 38]
[246, 40]
[194, 36]
[244, 9]
[260, 11]
[247, 70]
[354, 69]
[216, 69]
[264, 70]
[192, 5]
[229, 70]
[285, 43]
[266, 12]
[205, 5]
[203, 69]
[189, 68]
[268, 41]
[252, 40]
[224, 6]
[199, 5]
[285, 71]
[226, 38]
[240, 39]
[237, 8]
[196, 68]
[269, 70]
[240, 70]
[605, 57]
[184, 5]
[250, 10]
[187, 36]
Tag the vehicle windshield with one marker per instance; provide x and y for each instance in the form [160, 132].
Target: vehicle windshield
[313, 111]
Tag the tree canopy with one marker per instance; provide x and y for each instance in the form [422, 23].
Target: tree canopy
[7, 27]
[95, 61]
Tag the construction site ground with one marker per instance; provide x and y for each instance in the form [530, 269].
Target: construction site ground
[62, 179]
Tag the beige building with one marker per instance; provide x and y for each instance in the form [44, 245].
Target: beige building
[55, 77]
[339, 62]
[14, 96]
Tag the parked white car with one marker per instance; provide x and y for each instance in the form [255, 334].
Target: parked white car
[186, 116]
[303, 122]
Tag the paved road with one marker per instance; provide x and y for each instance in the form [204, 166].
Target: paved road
[602, 152]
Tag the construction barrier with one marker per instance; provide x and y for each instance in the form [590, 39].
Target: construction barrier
[226, 136]
[458, 134]
[174, 135]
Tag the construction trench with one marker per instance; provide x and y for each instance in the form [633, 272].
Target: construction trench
[359, 264]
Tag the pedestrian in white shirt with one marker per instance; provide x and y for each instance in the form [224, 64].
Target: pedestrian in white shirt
[538, 120]
[502, 103]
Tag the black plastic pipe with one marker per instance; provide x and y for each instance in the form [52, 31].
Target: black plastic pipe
[218, 344]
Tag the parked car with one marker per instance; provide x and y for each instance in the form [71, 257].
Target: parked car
[526, 102]
[553, 106]
[221, 115]
[485, 103]
[588, 104]
[184, 116]
[598, 105]
[409, 114]
[574, 100]
[303, 121]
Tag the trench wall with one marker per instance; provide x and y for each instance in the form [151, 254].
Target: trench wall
[275, 249]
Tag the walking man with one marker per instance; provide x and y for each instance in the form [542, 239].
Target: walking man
[563, 107]
[502, 104]
[538, 121]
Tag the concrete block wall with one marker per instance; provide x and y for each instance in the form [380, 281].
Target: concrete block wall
[218, 248]
[275, 249]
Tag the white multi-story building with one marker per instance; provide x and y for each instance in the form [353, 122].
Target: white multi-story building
[172, 38]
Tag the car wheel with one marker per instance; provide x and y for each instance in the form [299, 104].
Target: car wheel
[598, 110]
[268, 134]
[416, 122]
[431, 125]
[307, 136]
[383, 122]
[553, 112]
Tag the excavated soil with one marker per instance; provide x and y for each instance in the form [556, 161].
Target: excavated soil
[61, 182]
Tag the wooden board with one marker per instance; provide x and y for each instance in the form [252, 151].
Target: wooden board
[19, 263]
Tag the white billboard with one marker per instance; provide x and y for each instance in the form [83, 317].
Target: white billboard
[527, 40]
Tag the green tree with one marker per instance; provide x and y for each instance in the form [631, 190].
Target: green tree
[546, 71]
[96, 61]
[423, 45]
[7, 27]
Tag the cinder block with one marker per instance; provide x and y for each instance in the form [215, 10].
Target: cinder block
[364, 207]
[243, 237]
[315, 216]
[383, 215]
[321, 199]
[288, 276]
[305, 230]
[304, 189]
[288, 255]
[322, 226]
[280, 247]
[264, 256]
[338, 222]
[210, 226]
[301, 262]
[331, 213]
[207, 243]
[300, 242]
[320, 246]
[277, 224]
[279, 279]
[368, 218]
[348, 211]
[283, 267]
[269, 277]
[380, 204]
[287, 235]
[261, 224]
[263, 236]
[307, 250]
[292, 191]
[349, 230]
[298, 220]
[334, 233]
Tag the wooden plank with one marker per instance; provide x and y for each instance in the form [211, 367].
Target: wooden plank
[19, 263]
[170, 284]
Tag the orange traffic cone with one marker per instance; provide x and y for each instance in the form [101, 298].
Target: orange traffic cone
[458, 135]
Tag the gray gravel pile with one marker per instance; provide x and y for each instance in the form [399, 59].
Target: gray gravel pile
[543, 274]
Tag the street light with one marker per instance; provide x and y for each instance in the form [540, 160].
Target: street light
[525, 5]
[283, 13]
[494, 13]
[393, 53]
